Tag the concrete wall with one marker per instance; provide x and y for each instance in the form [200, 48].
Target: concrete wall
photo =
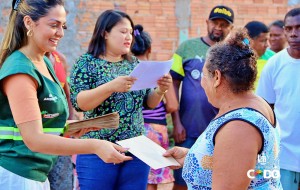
[168, 21]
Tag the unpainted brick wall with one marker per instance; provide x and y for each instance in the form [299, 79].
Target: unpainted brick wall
[158, 18]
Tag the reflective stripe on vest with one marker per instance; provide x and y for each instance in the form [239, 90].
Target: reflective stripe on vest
[14, 133]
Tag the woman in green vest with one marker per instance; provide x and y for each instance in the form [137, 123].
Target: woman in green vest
[33, 109]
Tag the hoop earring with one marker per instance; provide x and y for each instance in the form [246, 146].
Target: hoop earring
[29, 33]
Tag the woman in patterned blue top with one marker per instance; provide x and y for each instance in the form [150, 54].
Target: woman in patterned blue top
[100, 85]
[239, 149]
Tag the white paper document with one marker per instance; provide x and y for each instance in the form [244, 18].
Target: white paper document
[148, 72]
[148, 151]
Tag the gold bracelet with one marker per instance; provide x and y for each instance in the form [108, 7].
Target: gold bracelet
[159, 92]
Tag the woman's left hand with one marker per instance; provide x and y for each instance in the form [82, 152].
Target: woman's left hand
[164, 83]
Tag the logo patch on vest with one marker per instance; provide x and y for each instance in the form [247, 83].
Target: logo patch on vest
[51, 98]
[47, 115]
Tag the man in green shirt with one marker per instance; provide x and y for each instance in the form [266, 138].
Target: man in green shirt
[258, 32]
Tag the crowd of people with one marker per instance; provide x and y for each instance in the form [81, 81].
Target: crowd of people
[232, 95]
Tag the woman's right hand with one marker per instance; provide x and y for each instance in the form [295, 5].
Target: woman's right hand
[179, 153]
[122, 83]
[110, 152]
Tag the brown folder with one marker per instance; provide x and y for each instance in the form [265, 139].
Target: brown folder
[110, 121]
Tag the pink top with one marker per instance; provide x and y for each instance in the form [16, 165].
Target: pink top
[21, 90]
[59, 68]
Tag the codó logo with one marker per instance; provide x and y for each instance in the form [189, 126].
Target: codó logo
[267, 174]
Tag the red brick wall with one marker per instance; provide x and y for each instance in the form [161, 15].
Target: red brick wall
[158, 18]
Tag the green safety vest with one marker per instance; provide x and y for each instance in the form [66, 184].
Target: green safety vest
[15, 156]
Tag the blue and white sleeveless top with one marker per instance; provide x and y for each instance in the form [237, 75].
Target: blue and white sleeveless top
[197, 169]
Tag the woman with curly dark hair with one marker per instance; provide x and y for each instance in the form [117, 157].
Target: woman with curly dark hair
[239, 149]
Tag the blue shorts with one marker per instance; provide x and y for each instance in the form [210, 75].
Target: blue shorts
[95, 174]
[290, 180]
[188, 143]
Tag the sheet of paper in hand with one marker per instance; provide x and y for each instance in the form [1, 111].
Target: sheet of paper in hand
[148, 72]
[105, 121]
[148, 151]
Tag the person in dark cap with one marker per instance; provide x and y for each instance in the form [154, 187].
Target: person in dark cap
[259, 32]
[195, 111]
[219, 23]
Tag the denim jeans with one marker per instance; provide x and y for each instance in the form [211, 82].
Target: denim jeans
[94, 174]
[290, 180]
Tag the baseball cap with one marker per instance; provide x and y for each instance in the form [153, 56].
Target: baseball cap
[223, 12]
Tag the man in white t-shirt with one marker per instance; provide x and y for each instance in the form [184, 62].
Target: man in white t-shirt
[279, 84]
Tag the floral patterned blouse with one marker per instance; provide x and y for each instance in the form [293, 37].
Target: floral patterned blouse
[198, 165]
[90, 72]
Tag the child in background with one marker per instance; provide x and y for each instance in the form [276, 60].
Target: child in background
[155, 119]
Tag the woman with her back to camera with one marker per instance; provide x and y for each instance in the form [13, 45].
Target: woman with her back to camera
[33, 109]
[225, 156]
[100, 85]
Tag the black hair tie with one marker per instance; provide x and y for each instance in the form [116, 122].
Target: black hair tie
[244, 54]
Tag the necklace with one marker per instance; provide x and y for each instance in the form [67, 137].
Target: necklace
[41, 66]
[30, 58]
[111, 59]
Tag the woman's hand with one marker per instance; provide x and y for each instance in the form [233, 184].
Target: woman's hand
[164, 83]
[179, 132]
[178, 153]
[110, 152]
[122, 83]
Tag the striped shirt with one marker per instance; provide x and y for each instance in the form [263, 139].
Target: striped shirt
[156, 115]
